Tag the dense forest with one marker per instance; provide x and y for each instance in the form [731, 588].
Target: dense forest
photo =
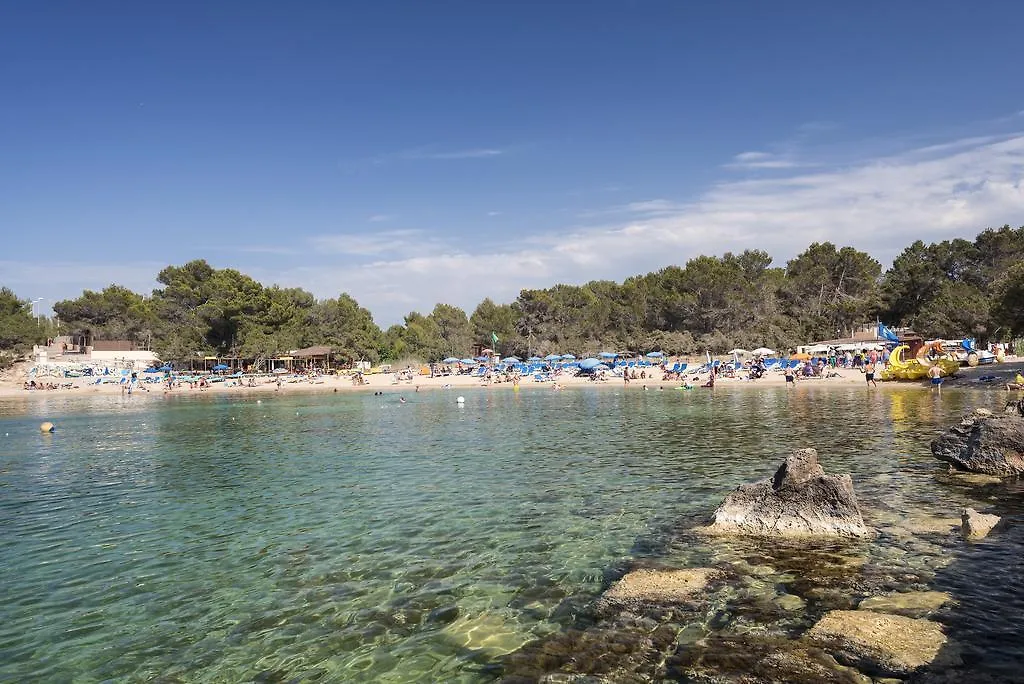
[952, 288]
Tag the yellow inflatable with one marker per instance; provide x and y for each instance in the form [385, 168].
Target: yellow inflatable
[917, 368]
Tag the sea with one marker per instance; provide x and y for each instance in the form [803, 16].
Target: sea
[351, 537]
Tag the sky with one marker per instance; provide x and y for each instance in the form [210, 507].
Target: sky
[410, 153]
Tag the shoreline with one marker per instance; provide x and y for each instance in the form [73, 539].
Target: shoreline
[331, 384]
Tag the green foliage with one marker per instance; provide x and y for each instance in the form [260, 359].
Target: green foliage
[19, 330]
[114, 313]
[947, 289]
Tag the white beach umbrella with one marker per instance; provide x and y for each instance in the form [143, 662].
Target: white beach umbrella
[763, 351]
[738, 351]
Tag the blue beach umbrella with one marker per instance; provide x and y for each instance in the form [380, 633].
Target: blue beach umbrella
[589, 364]
[601, 367]
[568, 357]
[466, 361]
[654, 355]
[510, 359]
[220, 367]
[607, 355]
[450, 359]
[534, 358]
[552, 357]
[166, 368]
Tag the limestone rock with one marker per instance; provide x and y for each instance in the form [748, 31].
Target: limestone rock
[648, 586]
[975, 525]
[984, 443]
[800, 500]
[912, 604]
[881, 644]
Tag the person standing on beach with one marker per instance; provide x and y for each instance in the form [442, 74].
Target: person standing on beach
[869, 373]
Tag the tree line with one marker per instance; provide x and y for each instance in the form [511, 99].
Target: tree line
[952, 288]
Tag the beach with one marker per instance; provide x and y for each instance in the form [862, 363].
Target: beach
[13, 385]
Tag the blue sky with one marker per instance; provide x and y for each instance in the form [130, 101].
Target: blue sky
[416, 152]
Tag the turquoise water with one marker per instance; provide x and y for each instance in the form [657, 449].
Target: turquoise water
[348, 537]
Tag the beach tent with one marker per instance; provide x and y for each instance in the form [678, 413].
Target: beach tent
[654, 355]
[763, 351]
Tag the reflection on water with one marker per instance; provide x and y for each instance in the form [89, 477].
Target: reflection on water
[343, 538]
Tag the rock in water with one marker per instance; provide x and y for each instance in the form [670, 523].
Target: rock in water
[880, 644]
[984, 443]
[975, 525]
[800, 500]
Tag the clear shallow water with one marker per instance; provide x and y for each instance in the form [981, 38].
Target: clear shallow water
[351, 538]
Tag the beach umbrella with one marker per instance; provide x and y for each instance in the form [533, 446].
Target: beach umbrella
[510, 359]
[801, 357]
[552, 357]
[601, 367]
[220, 367]
[466, 361]
[589, 364]
[654, 355]
[607, 355]
[166, 368]
[151, 370]
[534, 358]
[568, 357]
[763, 351]
[737, 351]
[450, 359]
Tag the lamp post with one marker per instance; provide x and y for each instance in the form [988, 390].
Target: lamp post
[34, 302]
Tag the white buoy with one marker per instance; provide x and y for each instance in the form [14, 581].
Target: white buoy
[47, 427]
[460, 400]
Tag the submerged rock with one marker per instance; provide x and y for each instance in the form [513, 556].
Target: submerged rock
[975, 525]
[914, 604]
[984, 443]
[648, 586]
[882, 644]
[800, 500]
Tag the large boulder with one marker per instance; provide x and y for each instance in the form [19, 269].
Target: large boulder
[800, 500]
[984, 443]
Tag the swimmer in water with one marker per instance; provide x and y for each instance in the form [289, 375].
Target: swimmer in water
[401, 400]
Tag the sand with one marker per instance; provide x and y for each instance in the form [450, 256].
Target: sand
[12, 384]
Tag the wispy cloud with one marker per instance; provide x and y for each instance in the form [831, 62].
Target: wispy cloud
[435, 153]
[879, 205]
[376, 244]
[761, 160]
[381, 218]
[951, 188]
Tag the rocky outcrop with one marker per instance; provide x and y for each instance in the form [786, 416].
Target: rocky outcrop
[975, 525]
[984, 443]
[800, 500]
[881, 644]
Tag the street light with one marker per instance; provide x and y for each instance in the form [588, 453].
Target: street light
[34, 302]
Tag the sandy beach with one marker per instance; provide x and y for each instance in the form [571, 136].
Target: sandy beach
[12, 385]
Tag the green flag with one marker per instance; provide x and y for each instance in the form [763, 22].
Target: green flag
[494, 338]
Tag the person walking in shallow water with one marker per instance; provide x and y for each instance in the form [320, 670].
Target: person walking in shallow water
[869, 373]
[935, 373]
